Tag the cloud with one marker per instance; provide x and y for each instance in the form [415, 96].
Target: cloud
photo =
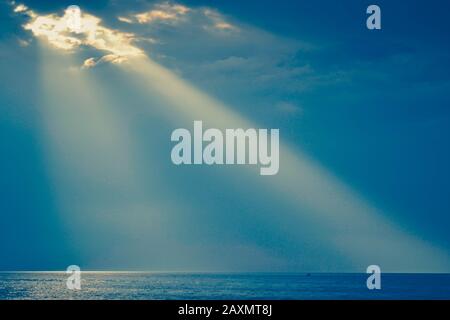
[20, 8]
[91, 33]
[173, 14]
[124, 19]
[289, 108]
[224, 26]
[111, 58]
[258, 79]
[56, 28]
[246, 57]
[89, 63]
[23, 43]
[218, 21]
[242, 62]
[162, 12]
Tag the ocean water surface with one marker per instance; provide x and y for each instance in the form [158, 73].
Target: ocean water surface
[187, 286]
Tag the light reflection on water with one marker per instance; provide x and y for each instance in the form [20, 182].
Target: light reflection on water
[113, 285]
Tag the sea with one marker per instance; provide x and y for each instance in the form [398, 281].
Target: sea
[221, 286]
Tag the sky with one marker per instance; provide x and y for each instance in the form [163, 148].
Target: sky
[86, 119]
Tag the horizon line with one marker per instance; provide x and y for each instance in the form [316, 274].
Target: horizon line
[205, 272]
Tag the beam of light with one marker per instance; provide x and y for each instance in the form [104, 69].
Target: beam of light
[104, 205]
[339, 216]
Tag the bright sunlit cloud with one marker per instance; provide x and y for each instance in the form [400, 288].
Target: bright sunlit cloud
[111, 58]
[20, 8]
[57, 31]
[162, 12]
[172, 13]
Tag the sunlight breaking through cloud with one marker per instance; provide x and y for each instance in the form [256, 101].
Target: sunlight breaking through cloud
[57, 31]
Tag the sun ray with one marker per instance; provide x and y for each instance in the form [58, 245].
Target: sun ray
[343, 218]
[101, 198]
